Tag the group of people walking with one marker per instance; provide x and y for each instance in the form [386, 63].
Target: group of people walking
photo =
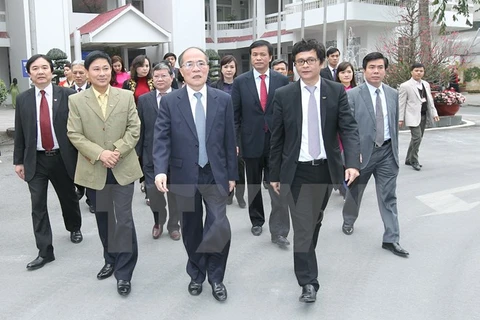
[197, 142]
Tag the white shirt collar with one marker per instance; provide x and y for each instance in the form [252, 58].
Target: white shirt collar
[48, 90]
[303, 85]
[203, 91]
[168, 91]
[372, 89]
[257, 74]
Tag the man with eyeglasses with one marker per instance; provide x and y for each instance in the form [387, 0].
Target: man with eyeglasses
[194, 138]
[305, 156]
[252, 96]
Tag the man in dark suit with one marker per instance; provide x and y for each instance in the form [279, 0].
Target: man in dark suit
[147, 107]
[252, 96]
[80, 83]
[103, 125]
[195, 139]
[305, 155]
[178, 77]
[330, 71]
[375, 107]
[43, 153]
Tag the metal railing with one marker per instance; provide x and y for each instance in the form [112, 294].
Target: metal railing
[235, 25]
[317, 4]
[273, 17]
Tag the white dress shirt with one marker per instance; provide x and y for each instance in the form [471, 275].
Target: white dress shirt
[159, 96]
[373, 95]
[193, 99]
[304, 153]
[38, 97]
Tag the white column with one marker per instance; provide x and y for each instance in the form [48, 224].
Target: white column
[260, 18]
[124, 54]
[213, 23]
[77, 44]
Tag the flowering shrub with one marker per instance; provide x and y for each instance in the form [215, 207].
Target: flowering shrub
[3, 92]
[448, 97]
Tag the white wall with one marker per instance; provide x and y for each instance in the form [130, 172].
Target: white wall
[188, 25]
[51, 33]
[4, 74]
[20, 44]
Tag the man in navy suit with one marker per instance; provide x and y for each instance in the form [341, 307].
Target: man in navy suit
[194, 138]
[147, 107]
[252, 96]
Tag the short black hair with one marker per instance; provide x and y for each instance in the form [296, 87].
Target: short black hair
[35, 57]
[374, 56]
[169, 54]
[94, 55]
[332, 50]
[278, 61]
[417, 65]
[261, 43]
[308, 45]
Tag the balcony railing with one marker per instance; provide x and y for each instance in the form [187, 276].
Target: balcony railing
[317, 4]
[235, 25]
[273, 17]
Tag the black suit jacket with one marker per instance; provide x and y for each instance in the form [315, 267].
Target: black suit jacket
[147, 111]
[325, 73]
[336, 119]
[250, 120]
[25, 145]
[176, 142]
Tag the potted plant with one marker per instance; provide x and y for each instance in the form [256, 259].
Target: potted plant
[447, 102]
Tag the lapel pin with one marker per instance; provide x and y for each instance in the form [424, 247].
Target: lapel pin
[55, 100]
[324, 98]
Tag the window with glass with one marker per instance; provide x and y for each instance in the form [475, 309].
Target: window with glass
[89, 6]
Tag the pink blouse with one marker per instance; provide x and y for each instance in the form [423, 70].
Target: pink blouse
[121, 77]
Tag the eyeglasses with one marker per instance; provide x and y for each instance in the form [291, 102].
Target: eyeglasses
[309, 61]
[190, 64]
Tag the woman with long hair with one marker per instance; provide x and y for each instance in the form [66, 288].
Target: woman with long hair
[119, 74]
[141, 80]
[228, 73]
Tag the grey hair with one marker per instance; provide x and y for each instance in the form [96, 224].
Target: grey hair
[77, 63]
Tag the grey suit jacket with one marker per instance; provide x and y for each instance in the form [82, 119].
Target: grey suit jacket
[410, 103]
[361, 105]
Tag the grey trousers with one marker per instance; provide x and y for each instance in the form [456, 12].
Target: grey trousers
[417, 135]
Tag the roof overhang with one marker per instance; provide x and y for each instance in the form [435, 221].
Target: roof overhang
[122, 27]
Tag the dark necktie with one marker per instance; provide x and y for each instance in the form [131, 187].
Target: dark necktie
[45, 124]
[380, 138]
[263, 92]
[79, 89]
[334, 74]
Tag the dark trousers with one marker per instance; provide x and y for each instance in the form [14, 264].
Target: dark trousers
[240, 183]
[52, 168]
[279, 221]
[208, 244]
[113, 211]
[310, 191]
[416, 140]
[384, 168]
[158, 207]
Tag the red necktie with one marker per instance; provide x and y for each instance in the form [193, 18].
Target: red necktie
[263, 92]
[45, 124]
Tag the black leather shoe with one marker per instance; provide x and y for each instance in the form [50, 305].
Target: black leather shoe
[408, 163]
[241, 203]
[76, 236]
[105, 272]
[80, 193]
[416, 166]
[39, 262]
[91, 208]
[194, 288]
[395, 249]
[230, 199]
[309, 294]
[123, 287]
[219, 291]
[281, 241]
[347, 230]
[256, 230]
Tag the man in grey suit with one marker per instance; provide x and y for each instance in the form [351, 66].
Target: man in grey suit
[416, 110]
[147, 107]
[375, 107]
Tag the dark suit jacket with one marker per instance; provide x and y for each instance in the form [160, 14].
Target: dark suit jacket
[325, 73]
[250, 119]
[25, 149]
[147, 111]
[176, 141]
[287, 132]
[74, 86]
